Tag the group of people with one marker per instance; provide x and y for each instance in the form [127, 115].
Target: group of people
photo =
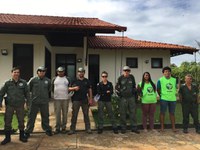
[35, 94]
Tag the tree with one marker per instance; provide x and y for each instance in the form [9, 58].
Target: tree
[185, 68]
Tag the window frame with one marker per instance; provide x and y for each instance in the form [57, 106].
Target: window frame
[132, 58]
[160, 63]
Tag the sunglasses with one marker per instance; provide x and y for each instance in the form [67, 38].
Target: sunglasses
[104, 76]
[126, 70]
[41, 70]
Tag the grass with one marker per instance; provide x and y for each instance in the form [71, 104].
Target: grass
[178, 116]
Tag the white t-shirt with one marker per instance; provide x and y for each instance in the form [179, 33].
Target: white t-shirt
[61, 85]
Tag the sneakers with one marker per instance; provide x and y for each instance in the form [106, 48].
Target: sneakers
[57, 131]
[145, 130]
[153, 130]
[27, 135]
[7, 138]
[100, 131]
[5, 141]
[198, 131]
[115, 130]
[88, 131]
[63, 131]
[123, 131]
[185, 131]
[49, 133]
[22, 136]
[135, 131]
[71, 132]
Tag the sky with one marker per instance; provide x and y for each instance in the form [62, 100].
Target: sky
[169, 21]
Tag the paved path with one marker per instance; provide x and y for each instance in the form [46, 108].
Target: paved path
[83, 141]
[108, 140]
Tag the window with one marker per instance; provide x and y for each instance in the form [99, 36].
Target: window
[132, 62]
[23, 58]
[156, 62]
[69, 62]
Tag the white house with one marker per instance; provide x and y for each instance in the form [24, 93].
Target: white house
[30, 41]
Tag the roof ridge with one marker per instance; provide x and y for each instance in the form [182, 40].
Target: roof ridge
[129, 42]
[162, 43]
[46, 16]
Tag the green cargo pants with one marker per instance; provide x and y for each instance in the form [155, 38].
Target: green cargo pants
[187, 109]
[108, 105]
[127, 104]
[34, 109]
[9, 115]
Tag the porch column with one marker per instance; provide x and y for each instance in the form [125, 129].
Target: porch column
[85, 57]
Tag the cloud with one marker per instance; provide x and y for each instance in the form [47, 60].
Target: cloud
[170, 21]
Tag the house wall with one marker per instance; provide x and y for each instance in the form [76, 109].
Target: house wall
[110, 61]
[7, 41]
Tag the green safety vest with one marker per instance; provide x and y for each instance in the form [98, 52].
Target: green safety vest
[148, 94]
[168, 88]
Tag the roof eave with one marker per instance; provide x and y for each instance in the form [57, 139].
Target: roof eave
[98, 29]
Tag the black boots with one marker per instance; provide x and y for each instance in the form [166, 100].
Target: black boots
[7, 138]
[100, 130]
[22, 136]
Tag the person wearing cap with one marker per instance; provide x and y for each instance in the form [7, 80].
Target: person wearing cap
[17, 93]
[60, 85]
[166, 88]
[82, 90]
[126, 89]
[39, 86]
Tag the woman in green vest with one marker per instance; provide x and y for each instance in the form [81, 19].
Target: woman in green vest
[147, 92]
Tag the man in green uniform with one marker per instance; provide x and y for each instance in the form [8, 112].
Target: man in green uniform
[188, 95]
[17, 92]
[127, 92]
[82, 90]
[40, 87]
[166, 88]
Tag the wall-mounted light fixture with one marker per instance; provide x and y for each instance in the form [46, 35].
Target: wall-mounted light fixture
[79, 60]
[146, 61]
[4, 51]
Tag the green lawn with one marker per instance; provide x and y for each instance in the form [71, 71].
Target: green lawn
[178, 115]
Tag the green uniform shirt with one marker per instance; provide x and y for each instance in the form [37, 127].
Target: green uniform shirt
[126, 86]
[39, 88]
[17, 92]
[189, 96]
[148, 93]
[168, 88]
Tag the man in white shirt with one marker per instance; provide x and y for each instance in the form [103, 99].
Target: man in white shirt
[60, 85]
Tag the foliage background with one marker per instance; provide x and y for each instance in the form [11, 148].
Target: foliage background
[185, 68]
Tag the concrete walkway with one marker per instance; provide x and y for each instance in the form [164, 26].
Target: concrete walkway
[144, 141]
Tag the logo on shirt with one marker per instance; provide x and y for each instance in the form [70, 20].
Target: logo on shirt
[150, 89]
[46, 82]
[20, 84]
[169, 86]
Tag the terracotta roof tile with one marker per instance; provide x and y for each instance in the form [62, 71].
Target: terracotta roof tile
[117, 42]
[63, 22]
